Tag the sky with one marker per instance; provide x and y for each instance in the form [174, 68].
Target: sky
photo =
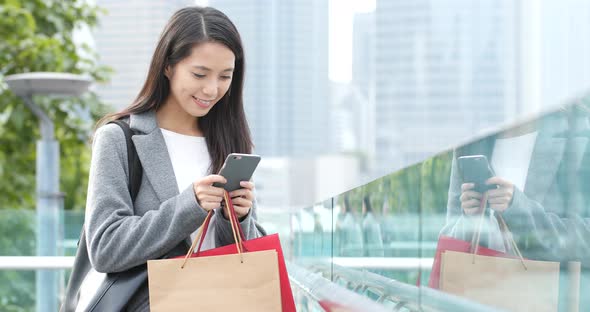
[340, 35]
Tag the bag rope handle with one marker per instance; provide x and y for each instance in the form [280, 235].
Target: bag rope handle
[235, 226]
[506, 234]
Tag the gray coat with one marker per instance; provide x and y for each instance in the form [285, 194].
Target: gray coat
[122, 234]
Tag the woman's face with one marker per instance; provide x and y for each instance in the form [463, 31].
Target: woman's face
[200, 80]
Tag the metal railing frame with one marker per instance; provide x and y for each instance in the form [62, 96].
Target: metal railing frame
[402, 295]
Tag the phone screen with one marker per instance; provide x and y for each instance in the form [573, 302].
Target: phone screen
[237, 168]
[476, 169]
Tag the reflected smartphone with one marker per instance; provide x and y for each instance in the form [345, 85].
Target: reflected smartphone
[476, 169]
[237, 168]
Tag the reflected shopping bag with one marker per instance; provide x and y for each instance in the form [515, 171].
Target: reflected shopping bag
[247, 276]
[510, 284]
[446, 243]
[500, 279]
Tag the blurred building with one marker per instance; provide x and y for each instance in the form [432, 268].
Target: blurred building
[286, 90]
[448, 69]
[363, 52]
[364, 85]
[125, 40]
[444, 69]
[288, 183]
[554, 56]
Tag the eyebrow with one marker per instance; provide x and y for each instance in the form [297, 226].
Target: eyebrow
[209, 69]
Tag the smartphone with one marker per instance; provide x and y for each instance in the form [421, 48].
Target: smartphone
[237, 168]
[476, 169]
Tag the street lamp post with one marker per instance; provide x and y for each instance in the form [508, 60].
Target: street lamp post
[49, 198]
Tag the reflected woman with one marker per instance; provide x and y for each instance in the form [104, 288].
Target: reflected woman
[348, 232]
[373, 240]
[541, 207]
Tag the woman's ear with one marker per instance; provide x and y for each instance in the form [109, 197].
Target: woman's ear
[167, 71]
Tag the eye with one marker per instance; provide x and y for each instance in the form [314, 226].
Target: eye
[198, 75]
[226, 77]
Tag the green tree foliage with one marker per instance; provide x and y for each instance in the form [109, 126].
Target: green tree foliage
[17, 238]
[420, 188]
[36, 35]
[435, 174]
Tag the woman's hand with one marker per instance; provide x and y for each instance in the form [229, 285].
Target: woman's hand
[242, 199]
[208, 196]
[470, 199]
[499, 199]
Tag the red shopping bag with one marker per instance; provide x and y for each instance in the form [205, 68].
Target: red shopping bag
[268, 242]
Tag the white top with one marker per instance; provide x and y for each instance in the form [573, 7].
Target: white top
[511, 158]
[190, 159]
[189, 156]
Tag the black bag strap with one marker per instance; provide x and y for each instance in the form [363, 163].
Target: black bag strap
[118, 285]
[135, 169]
[134, 165]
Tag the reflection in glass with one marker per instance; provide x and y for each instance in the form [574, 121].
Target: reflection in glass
[348, 233]
[372, 239]
[537, 196]
[387, 227]
[388, 231]
[536, 188]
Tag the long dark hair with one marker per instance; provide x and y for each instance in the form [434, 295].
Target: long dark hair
[225, 127]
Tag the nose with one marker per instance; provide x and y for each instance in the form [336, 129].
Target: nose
[210, 89]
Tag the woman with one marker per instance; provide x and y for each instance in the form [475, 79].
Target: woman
[187, 118]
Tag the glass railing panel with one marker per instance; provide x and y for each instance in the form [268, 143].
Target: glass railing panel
[18, 232]
[434, 187]
[376, 230]
[277, 220]
[17, 238]
[531, 237]
[386, 233]
[312, 234]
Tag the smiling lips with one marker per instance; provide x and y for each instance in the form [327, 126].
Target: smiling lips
[202, 103]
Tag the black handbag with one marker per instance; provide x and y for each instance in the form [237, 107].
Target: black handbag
[117, 288]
